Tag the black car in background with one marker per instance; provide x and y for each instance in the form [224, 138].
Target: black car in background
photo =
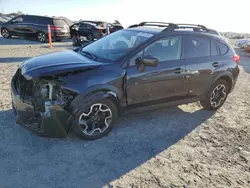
[36, 26]
[137, 68]
[115, 27]
[87, 31]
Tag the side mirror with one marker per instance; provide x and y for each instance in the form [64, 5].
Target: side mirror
[148, 60]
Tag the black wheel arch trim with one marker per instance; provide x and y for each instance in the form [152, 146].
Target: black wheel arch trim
[108, 91]
[225, 76]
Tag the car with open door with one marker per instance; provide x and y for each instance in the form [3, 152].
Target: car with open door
[146, 66]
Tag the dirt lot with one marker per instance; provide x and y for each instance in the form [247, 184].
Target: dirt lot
[184, 146]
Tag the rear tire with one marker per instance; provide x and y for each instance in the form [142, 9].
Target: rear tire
[217, 95]
[5, 33]
[41, 37]
[92, 131]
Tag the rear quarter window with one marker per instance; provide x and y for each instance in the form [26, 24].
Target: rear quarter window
[214, 49]
[222, 47]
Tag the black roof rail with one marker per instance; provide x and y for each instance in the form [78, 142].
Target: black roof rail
[135, 25]
[172, 26]
[159, 24]
[192, 26]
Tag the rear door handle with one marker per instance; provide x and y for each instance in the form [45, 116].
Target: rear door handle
[215, 64]
[178, 70]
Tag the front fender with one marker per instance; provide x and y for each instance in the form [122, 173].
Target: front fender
[107, 91]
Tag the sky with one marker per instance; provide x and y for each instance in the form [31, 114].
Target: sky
[222, 15]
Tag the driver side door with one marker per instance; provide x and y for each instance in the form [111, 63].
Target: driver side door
[166, 80]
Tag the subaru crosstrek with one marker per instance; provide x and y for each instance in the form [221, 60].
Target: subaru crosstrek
[141, 67]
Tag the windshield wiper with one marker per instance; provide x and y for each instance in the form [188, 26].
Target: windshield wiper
[90, 55]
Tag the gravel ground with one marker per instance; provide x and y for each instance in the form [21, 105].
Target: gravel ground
[184, 146]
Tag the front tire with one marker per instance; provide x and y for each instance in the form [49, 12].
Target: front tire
[41, 37]
[5, 33]
[96, 118]
[216, 96]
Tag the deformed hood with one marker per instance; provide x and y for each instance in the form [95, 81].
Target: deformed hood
[56, 63]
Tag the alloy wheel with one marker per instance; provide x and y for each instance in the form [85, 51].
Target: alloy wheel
[95, 120]
[218, 95]
[41, 37]
[5, 33]
[90, 37]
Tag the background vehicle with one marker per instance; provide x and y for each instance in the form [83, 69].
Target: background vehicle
[114, 27]
[87, 30]
[36, 26]
[247, 47]
[242, 43]
[133, 69]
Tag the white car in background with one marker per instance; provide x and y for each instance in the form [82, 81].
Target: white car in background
[242, 43]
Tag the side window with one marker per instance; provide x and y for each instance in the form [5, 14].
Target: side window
[83, 26]
[44, 21]
[197, 47]
[17, 20]
[165, 49]
[133, 59]
[214, 49]
[89, 26]
[222, 47]
[29, 19]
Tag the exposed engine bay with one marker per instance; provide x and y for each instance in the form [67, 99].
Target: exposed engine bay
[43, 92]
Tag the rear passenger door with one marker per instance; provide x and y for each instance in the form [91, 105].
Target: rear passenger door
[201, 63]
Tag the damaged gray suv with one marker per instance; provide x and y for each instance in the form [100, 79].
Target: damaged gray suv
[141, 67]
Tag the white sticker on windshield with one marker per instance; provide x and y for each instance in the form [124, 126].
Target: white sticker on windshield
[144, 34]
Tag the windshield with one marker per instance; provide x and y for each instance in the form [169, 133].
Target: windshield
[117, 44]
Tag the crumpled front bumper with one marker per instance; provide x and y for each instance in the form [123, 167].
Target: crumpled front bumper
[55, 122]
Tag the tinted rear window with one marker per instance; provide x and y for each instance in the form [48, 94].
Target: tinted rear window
[68, 21]
[60, 22]
[222, 47]
[44, 20]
